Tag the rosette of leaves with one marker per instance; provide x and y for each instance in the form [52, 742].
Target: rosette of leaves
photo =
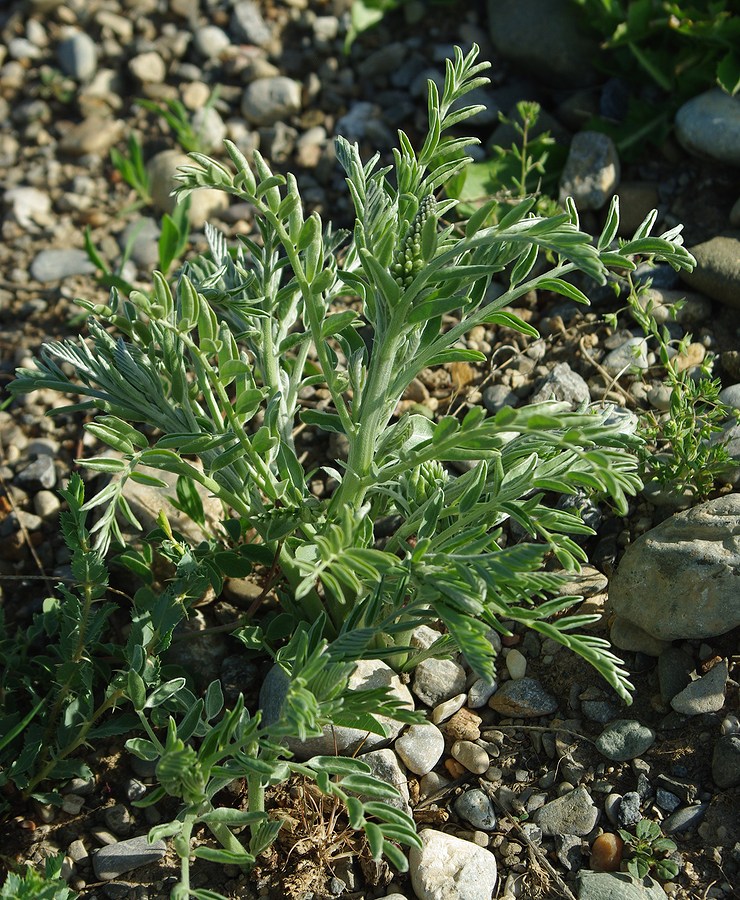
[215, 365]
[647, 850]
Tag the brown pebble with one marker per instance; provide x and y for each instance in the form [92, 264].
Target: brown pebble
[606, 853]
[454, 768]
[463, 726]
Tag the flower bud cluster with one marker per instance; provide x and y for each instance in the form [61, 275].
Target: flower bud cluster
[408, 260]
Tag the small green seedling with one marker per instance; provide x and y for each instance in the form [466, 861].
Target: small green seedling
[647, 850]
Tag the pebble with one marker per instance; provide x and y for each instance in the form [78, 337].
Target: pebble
[497, 396]
[480, 692]
[632, 354]
[420, 747]
[148, 68]
[592, 170]
[124, 856]
[118, 819]
[568, 848]
[470, 755]
[39, 474]
[629, 809]
[709, 126]
[624, 739]
[463, 726]
[53, 265]
[611, 807]
[563, 384]
[685, 818]
[628, 636]
[72, 804]
[437, 680]
[717, 272]
[247, 24]
[77, 852]
[573, 813]
[95, 135]
[268, 100]
[446, 709]
[516, 663]
[162, 169]
[134, 789]
[30, 207]
[523, 699]
[674, 586]
[606, 853]
[666, 800]
[78, 56]
[385, 765]
[140, 239]
[448, 868]
[705, 695]
[46, 504]
[476, 808]
[211, 41]
[726, 761]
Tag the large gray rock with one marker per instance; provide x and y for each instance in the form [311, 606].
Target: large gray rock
[369, 674]
[717, 272]
[544, 36]
[617, 886]
[709, 126]
[679, 580]
[447, 868]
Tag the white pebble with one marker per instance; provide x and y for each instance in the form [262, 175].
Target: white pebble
[516, 663]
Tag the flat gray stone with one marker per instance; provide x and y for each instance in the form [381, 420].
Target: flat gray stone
[562, 383]
[436, 680]
[124, 856]
[679, 580]
[78, 56]
[709, 126]
[523, 699]
[624, 739]
[617, 886]
[591, 172]
[53, 265]
[573, 813]
[705, 695]
[685, 818]
[448, 868]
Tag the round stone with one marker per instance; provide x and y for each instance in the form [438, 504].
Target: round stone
[475, 807]
[421, 747]
[470, 755]
[624, 739]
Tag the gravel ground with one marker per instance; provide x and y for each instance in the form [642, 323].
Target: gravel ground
[526, 772]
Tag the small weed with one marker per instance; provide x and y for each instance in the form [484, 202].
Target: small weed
[647, 850]
[133, 169]
[35, 885]
[175, 114]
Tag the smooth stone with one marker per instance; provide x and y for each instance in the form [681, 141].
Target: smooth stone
[446, 709]
[148, 67]
[384, 764]
[124, 856]
[211, 41]
[141, 238]
[247, 24]
[544, 36]
[592, 170]
[448, 868]
[523, 699]
[617, 886]
[709, 126]
[624, 739]
[685, 818]
[55, 264]
[369, 674]
[628, 636]
[480, 692]
[269, 100]
[705, 695]
[476, 808]
[516, 663]
[674, 672]
[632, 354]
[468, 754]
[29, 206]
[611, 807]
[210, 129]
[162, 169]
[562, 383]
[679, 580]
[726, 761]
[573, 813]
[717, 272]
[78, 56]
[420, 747]
[39, 474]
[436, 680]
[93, 136]
[569, 851]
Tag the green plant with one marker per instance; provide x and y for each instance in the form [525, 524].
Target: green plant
[35, 885]
[683, 448]
[132, 169]
[233, 340]
[512, 174]
[647, 849]
[685, 47]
